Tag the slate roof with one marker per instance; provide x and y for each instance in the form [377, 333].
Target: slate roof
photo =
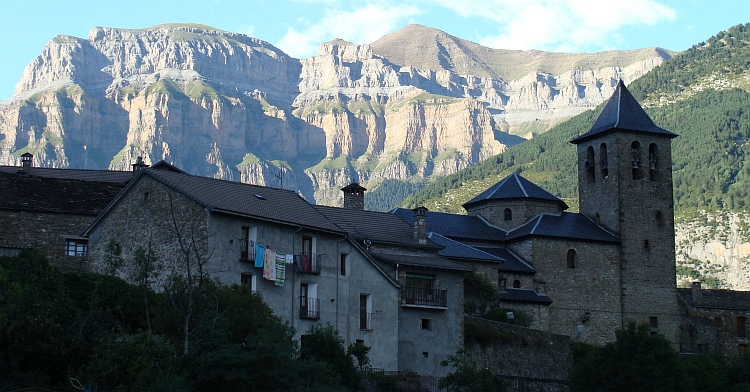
[524, 295]
[622, 112]
[371, 225]
[569, 225]
[456, 249]
[718, 299]
[277, 205]
[455, 225]
[29, 193]
[511, 263]
[421, 261]
[120, 177]
[514, 187]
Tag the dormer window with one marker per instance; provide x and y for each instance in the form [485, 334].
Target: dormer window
[507, 215]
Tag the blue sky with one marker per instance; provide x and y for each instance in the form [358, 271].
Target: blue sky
[298, 27]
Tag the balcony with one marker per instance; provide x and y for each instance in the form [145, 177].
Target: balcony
[419, 297]
[247, 257]
[308, 264]
[309, 308]
[365, 320]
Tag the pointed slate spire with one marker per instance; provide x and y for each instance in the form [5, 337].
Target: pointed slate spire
[622, 112]
[514, 187]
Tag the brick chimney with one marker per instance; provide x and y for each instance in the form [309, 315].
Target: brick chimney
[139, 165]
[354, 196]
[420, 225]
[697, 295]
[27, 161]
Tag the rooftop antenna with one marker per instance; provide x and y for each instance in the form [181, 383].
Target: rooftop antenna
[280, 176]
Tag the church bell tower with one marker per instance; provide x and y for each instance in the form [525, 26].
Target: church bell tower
[625, 186]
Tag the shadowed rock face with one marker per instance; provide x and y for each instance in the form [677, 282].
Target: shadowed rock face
[415, 104]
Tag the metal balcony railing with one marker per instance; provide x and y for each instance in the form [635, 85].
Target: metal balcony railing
[424, 297]
[247, 257]
[365, 320]
[308, 264]
[309, 308]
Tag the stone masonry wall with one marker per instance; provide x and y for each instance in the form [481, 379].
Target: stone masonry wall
[522, 211]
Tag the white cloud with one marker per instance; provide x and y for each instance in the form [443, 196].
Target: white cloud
[560, 25]
[362, 25]
[248, 30]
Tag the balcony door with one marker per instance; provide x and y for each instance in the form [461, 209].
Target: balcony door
[303, 295]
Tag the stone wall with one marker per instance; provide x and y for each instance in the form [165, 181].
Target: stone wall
[521, 211]
[47, 232]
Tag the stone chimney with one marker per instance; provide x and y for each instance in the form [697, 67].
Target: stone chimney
[27, 161]
[420, 225]
[354, 196]
[139, 165]
[697, 295]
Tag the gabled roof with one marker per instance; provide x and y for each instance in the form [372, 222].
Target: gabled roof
[524, 295]
[718, 299]
[569, 225]
[121, 177]
[21, 192]
[511, 263]
[514, 187]
[455, 249]
[271, 204]
[372, 225]
[455, 225]
[435, 262]
[622, 112]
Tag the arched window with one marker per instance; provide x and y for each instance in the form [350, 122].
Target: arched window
[635, 159]
[653, 153]
[571, 258]
[516, 284]
[589, 165]
[603, 161]
[508, 214]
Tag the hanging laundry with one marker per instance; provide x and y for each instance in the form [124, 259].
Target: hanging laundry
[260, 251]
[250, 250]
[304, 263]
[269, 265]
[280, 268]
[290, 259]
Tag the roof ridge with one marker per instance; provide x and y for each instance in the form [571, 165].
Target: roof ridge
[523, 189]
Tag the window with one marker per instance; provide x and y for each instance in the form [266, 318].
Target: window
[603, 161]
[653, 154]
[717, 322]
[741, 327]
[309, 305]
[76, 247]
[247, 243]
[344, 259]
[589, 165]
[425, 324]
[419, 287]
[653, 324]
[307, 261]
[425, 354]
[646, 245]
[571, 259]
[516, 284]
[501, 283]
[365, 312]
[248, 280]
[635, 159]
[507, 215]
[145, 196]
[741, 349]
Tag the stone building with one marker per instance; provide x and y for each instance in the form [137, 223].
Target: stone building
[583, 274]
[364, 272]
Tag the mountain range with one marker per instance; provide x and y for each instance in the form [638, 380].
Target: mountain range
[416, 105]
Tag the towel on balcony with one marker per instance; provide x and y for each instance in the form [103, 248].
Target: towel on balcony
[260, 251]
[304, 263]
[250, 250]
[269, 265]
[280, 268]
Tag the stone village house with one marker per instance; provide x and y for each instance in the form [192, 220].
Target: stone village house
[394, 280]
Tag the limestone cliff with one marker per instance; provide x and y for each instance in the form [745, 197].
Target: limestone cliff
[226, 105]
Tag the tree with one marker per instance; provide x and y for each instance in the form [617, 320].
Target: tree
[636, 361]
[467, 377]
[322, 343]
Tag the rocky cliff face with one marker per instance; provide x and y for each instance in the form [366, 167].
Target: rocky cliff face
[223, 104]
[714, 248]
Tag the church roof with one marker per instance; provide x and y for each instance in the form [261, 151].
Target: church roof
[455, 249]
[524, 295]
[514, 187]
[569, 225]
[454, 225]
[511, 261]
[622, 112]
